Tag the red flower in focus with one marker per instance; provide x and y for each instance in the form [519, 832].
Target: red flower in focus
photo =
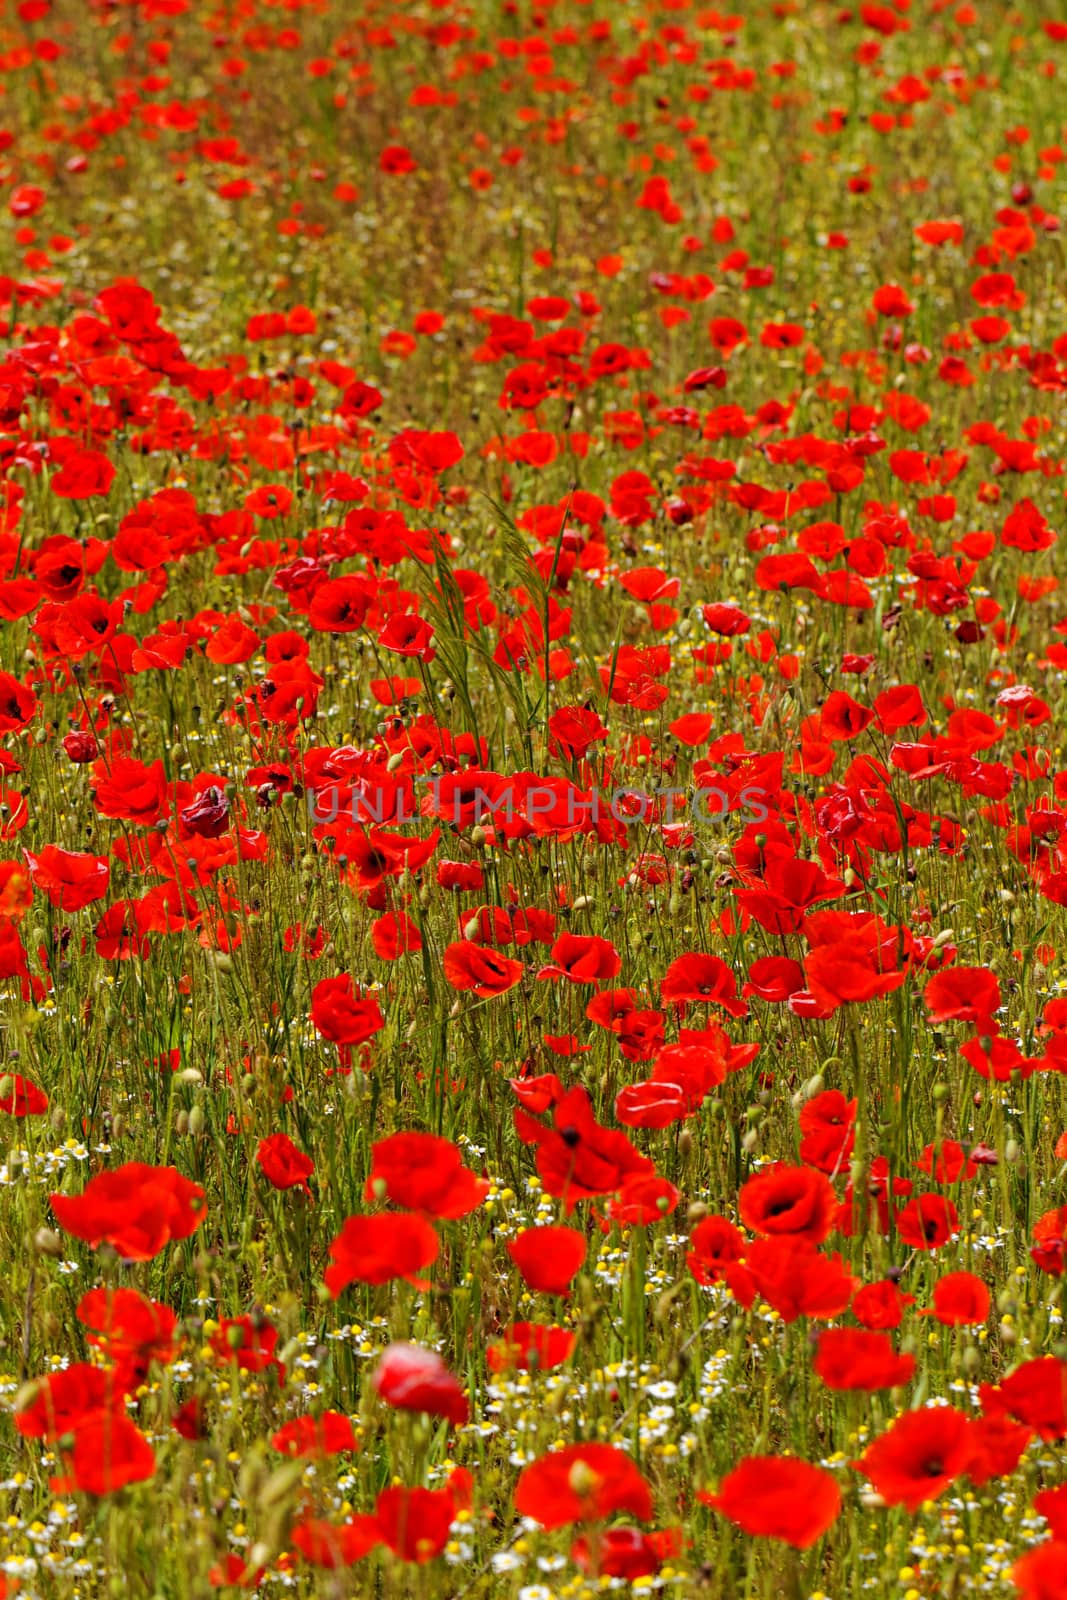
[773, 1497]
[927, 1222]
[423, 1172]
[341, 1014]
[702, 980]
[785, 1200]
[480, 969]
[283, 1165]
[577, 1158]
[69, 879]
[918, 1456]
[582, 1483]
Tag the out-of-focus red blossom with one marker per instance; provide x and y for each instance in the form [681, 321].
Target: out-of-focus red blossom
[582, 1483]
[136, 1208]
[623, 1552]
[378, 1249]
[548, 1258]
[329, 1434]
[410, 1378]
[530, 1345]
[851, 1358]
[21, 1098]
[960, 1300]
[777, 1497]
[412, 1523]
[109, 1453]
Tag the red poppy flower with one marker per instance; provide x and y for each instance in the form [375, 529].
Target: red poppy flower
[410, 1378]
[108, 1453]
[852, 1358]
[415, 1524]
[577, 1158]
[927, 1222]
[775, 1497]
[969, 994]
[617, 1553]
[530, 1346]
[248, 1341]
[918, 1456]
[714, 1245]
[59, 1402]
[341, 1014]
[880, 1305]
[702, 980]
[583, 958]
[1049, 1250]
[1041, 1574]
[643, 1199]
[69, 879]
[17, 704]
[960, 1300]
[997, 1444]
[480, 969]
[423, 1172]
[548, 1258]
[330, 1434]
[22, 1098]
[135, 1208]
[582, 1483]
[794, 1279]
[380, 1248]
[131, 1329]
[283, 1165]
[1034, 1394]
[789, 1200]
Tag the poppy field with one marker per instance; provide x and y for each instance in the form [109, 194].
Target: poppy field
[533, 799]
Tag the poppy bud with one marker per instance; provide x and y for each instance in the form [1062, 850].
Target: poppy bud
[940, 1093]
[46, 1242]
[196, 1120]
[1012, 1151]
[696, 1213]
[582, 1480]
[181, 1123]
